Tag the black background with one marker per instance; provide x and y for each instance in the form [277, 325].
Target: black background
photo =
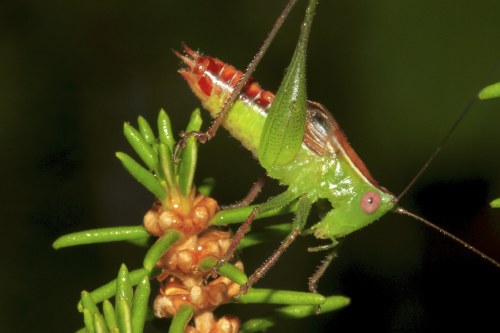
[395, 74]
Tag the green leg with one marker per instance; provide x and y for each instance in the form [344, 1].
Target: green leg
[298, 225]
[238, 215]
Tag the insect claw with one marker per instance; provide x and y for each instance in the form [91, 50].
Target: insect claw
[180, 145]
[212, 274]
[218, 265]
[243, 290]
[201, 137]
[313, 285]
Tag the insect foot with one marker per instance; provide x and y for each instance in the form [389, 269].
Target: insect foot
[201, 137]
[243, 290]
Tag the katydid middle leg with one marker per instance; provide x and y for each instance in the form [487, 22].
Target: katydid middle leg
[250, 197]
[299, 222]
[278, 201]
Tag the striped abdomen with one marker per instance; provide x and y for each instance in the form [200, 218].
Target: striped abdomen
[210, 77]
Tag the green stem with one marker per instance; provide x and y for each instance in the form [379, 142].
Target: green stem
[100, 323]
[165, 130]
[88, 302]
[124, 286]
[271, 296]
[141, 146]
[123, 314]
[109, 314]
[189, 155]
[181, 319]
[228, 270]
[109, 289]
[160, 247]
[146, 131]
[102, 235]
[143, 176]
[140, 305]
[491, 91]
[332, 303]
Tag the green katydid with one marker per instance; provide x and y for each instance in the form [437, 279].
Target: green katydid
[299, 143]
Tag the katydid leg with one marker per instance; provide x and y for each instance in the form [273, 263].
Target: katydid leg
[237, 215]
[298, 225]
[320, 271]
[203, 137]
[322, 247]
[278, 201]
[250, 197]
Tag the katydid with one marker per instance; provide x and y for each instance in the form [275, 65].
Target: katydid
[300, 144]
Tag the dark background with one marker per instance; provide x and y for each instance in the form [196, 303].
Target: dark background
[395, 74]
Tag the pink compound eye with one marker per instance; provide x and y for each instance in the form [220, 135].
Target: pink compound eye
[370, 201]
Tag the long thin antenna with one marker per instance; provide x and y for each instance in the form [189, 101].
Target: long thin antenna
[403, 211]
[439, 147]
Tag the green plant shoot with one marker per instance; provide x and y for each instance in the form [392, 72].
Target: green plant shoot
[173, 183]
[300, 144]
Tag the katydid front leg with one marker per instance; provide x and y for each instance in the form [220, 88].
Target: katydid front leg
[320, 271]
[314, 279]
